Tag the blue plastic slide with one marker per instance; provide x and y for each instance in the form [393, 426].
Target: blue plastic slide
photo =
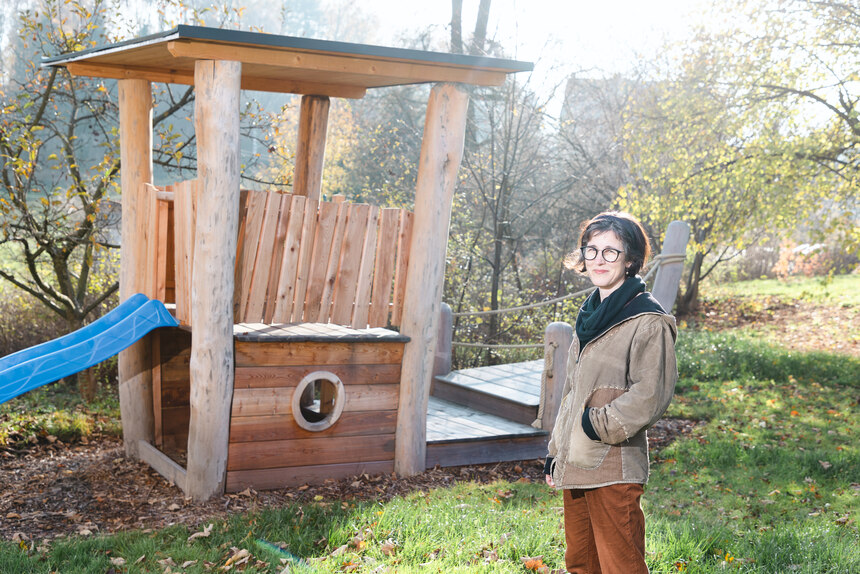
[30, 368]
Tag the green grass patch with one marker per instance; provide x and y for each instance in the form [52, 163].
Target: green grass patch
[838, 289]
[769, 482]
[467, 528]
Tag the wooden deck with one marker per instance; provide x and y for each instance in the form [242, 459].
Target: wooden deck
[484, 414]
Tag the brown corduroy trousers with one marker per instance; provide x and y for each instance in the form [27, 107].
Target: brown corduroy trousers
[604, 529]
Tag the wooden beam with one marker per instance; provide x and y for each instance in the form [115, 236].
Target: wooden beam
[444, 341]
[557, 340]
[310, 148]
[135, 377]
[186, 77]
[163, 464]
[217, 130]
[669, 273]
[384, 72]
[441, 153]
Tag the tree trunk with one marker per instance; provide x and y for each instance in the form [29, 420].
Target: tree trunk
[457, 26]
[690, 299]
[479, 38]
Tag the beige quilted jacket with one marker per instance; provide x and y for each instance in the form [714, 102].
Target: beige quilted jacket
[627, 376]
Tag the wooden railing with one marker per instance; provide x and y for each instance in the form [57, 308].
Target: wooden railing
[296, 261]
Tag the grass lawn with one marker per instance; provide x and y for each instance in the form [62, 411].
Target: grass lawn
[769, 481]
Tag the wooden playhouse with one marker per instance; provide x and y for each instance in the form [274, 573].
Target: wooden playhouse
[285, 369]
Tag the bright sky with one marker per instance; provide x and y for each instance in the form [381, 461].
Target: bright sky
[578, 34]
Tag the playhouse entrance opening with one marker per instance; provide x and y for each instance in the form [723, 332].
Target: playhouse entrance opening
[318, 401]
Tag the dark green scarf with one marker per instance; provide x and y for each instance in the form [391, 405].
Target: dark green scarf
[596, 316]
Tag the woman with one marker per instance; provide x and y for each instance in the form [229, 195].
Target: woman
[621, 375]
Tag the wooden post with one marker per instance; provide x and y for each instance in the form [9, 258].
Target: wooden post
[444, 340]
[669, 273]
[310, 148]
[439, 163]
[557, 341]
[135, 377]
[217, 128]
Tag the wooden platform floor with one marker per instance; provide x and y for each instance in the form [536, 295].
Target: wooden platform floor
[471, 431]
[449, 422]
[515, 382]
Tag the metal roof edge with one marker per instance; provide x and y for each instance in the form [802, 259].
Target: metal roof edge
[184, 31]
[143, 40]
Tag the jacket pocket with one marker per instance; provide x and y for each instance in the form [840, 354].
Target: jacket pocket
[583, 452]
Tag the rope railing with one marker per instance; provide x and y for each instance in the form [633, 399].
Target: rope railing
[656, 262]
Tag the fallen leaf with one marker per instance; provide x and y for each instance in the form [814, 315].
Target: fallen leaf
[118, 561]
[207, 530]
[824, 464]
[533, 562]
[238, 557]
[340, 550]
[174, 507]
[188, 563]
[388, 547]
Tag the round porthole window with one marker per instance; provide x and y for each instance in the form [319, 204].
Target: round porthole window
[318, 401]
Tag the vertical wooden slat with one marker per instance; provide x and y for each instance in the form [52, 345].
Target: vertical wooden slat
[365, 274]
[149, 203]
[403, 246]
[156, 386]
[263, 260]
[256, 208]
[240, 251]
[333, 263]
[162, 249]
[288, 276]
[323, 235]
[170, 257]
[306, 250]
[183, 205]
[278, 255]
[383, 272]
[346, 280]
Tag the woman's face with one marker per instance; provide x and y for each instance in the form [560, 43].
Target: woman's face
[607, 277]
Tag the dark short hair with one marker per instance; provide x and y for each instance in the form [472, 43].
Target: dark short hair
[637, 249]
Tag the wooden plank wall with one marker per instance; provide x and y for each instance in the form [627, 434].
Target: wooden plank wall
[303, 261]
[269, 450]
[171, 388]
[297, 261]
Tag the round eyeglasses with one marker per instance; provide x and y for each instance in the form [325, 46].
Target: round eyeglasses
[610, 254]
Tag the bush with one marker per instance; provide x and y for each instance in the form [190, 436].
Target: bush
[26, 321]
[812, 260]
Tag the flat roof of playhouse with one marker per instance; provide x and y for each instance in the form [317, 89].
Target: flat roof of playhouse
[286, 64]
